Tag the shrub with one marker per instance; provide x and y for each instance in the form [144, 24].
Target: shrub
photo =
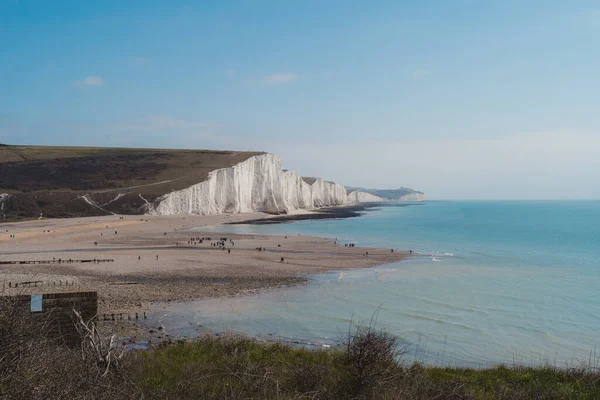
[372, 356]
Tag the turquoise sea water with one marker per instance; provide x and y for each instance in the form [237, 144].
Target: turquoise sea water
[495, 282]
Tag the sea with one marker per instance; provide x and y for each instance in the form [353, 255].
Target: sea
[490, 282]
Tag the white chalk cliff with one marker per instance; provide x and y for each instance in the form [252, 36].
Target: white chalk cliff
[412, 197]
[363, 197]
[256, 184]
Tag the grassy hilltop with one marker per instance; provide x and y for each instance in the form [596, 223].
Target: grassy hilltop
[53, 180]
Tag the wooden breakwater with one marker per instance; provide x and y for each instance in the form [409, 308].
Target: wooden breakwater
[30, 284]
[58, 261]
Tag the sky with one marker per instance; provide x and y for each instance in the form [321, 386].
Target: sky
[461, 99]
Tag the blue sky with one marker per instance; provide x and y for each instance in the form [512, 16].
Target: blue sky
[461, 99]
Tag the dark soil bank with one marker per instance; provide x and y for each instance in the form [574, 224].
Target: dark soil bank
[323, 213]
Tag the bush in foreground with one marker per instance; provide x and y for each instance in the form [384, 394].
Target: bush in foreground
[35, 363]
[366, 366]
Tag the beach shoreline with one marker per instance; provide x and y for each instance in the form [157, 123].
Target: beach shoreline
[335, 212]
[159, 259]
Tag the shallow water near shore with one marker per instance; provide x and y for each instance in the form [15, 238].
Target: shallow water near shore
[491, 282]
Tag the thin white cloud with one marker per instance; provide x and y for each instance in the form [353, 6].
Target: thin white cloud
[166, 132]
[138, 60]
[280, 78]
[419, 73]
[92, 80]
[158, 123]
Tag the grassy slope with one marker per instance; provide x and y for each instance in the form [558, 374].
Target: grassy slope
[187, 166]
[241, 368]
[49, 179]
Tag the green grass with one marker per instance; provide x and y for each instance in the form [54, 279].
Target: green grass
[242, 368]
[523, 383]
[213, 368]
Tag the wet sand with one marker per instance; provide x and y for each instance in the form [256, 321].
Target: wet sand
[155, 261]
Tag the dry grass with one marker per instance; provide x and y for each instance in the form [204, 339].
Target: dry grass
[35, 363]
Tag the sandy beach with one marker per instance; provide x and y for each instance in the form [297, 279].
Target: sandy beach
[154, 259]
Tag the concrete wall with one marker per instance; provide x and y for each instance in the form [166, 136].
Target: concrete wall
[56, 312]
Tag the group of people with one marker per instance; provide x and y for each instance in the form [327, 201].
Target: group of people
[221, 243]
[195, 241]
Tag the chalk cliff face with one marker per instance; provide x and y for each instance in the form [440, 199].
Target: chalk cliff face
[362, 197]
[401, 194]
[412, 197]
[256, 184]
[3, 198]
